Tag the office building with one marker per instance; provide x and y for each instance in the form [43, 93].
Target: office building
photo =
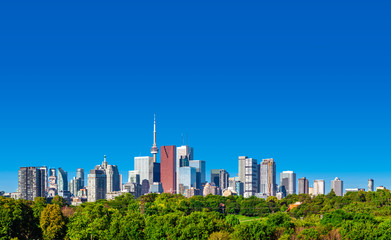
[156, 187]
[268, 177]
[44, 180]
[80, 175]
[144, 187]
[242, 168]
[156, 172]
[199, 165]
[183, 155]
[62, 180]
[223, 177]
[30, 185]
[133, 188]
[74, 186]
[112, 175]
[97, 187]
[167, 168]
[288, 180]
[337, 186]
[52, 179]
[215, 177]
[187, 178]
[319, 187]
[371, 185]
[258, 177]
[239, 188]
[303, 186]
[144, 166]
[251, 178]
[134, 177]
[191, 192]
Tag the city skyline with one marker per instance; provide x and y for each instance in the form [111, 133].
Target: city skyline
[305, 83]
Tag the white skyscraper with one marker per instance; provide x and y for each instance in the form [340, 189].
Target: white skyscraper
[288, 180]
[319, 187]
[144, 166]
[337, 186]
[268, 177]
[251, 177]
[242, 168]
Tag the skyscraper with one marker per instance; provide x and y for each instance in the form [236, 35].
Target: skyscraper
[183, 155]
[215, 177]
[62, 180]
[337, 186]
[288, 180]
[319, 187]
[242, 168]
[112, 175]
[144, 165]
[96, 185]
[134, 177]
[154, 149]
[187, 178]
[224, 182]
[199, 165]
[250, 184]
[80, 175]
[303, 185]
[370, 185]
[44, 180]
[268, 177]
[167, 168]
[30, 183]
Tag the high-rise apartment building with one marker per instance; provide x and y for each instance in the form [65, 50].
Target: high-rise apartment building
[199, 165]
[80, 175]
[268, 177]
[62, 180]
[337, 186]
[97, 187]
[242, 168]
[288, 180]
[251, 177]
[74, 186]
[144, 165]
[371, 186]
[303, 186]
[167, 168]
[183, 155]
[112, 175]
[319, 187]
[30, 183]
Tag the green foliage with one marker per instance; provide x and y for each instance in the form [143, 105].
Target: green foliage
[336, 218]
[130, 226]
[17, 220]
[308, 234]
[220, 236]
[60, 201]
[253, 231]
[52, 222]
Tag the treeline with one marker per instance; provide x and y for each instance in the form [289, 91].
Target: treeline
[359, 215]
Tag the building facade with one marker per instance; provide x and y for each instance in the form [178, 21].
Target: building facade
[268, 177]
[288, 180]
[184, 154]
[97, 185]
[30, 183]
[144, 165]
[62, 180]
[134, 177]
[167, 168]
[242, 168]
[371, 185]
[187, 178]
[251, 177]
[337, 186]
[319, 187]
[303, 186]
[199, 165]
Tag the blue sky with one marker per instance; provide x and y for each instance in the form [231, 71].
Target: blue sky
[306, 83]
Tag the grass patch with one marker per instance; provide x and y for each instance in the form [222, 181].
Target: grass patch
[245, 219]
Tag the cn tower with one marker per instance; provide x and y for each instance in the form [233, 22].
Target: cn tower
[154, 149]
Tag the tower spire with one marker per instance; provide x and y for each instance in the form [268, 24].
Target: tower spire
[154, 149]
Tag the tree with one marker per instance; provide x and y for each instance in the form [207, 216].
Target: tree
[60, 201]
[130, 226]
[52, 222]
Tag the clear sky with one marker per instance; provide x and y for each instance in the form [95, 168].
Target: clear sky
[307, 83]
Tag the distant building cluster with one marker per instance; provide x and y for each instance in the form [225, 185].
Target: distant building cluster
[177, 172]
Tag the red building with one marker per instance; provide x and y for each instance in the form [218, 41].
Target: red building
[167, 168]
